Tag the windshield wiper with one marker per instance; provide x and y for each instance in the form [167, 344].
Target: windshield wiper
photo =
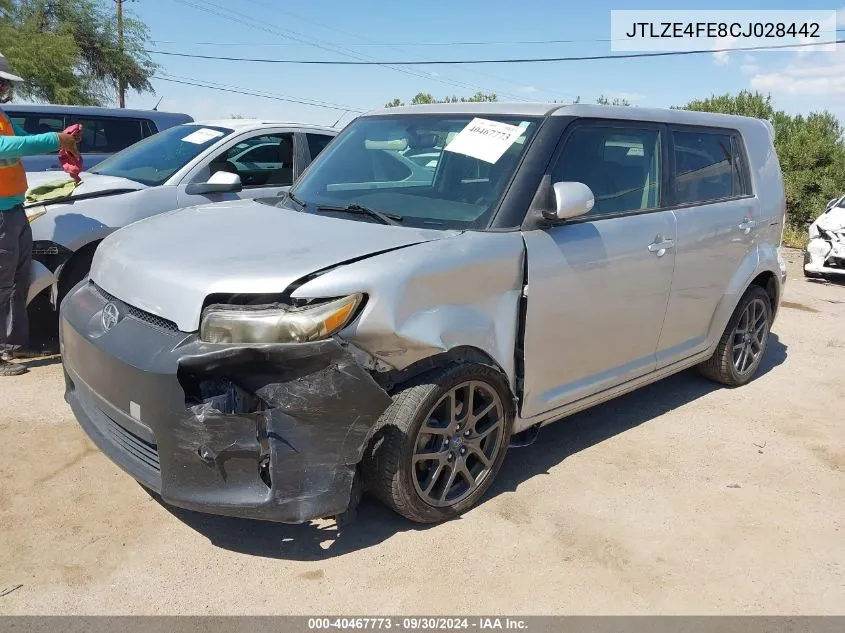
[297, 200]
[386, 218]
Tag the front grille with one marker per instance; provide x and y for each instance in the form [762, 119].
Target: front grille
[136, 313]
[133, 445]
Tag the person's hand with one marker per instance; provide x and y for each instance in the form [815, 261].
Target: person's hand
[68, 142]
[77, 136]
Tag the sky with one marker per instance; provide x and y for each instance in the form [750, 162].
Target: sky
[798, 81]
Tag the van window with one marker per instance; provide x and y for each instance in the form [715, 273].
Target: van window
[38, 123]
[107, 136]
[317, 143]
[620, 165]
[707, 167]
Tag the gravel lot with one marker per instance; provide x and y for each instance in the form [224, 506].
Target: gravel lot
[679, 498]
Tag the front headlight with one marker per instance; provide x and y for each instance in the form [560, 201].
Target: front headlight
[265, 324]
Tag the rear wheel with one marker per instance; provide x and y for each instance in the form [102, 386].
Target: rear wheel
[743, 344]
[441, 443]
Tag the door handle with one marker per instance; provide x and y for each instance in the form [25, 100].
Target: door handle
[660, 246]
[747, 225]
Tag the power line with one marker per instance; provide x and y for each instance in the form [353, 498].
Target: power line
[397, 48]
[253, 93]
[371, 44]
[526, 60]
[298, 37]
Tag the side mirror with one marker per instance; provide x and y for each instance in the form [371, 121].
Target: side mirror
[571, 200]
[220, 182]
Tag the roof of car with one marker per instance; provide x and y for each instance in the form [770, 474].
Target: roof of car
[39, 108]
[251, 124]
[666, 115]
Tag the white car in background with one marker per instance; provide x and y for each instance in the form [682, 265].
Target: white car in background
[183, 166]
[824, 254]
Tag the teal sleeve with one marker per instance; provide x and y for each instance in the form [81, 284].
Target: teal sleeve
[31, 145]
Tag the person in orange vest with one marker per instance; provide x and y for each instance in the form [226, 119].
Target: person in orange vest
[15, 232]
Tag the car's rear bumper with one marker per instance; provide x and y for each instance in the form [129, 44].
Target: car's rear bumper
[270, 432]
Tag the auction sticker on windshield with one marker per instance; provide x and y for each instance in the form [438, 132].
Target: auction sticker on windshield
[203, 135]
[485, 140]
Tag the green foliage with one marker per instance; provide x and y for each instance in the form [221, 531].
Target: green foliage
[67, 50]
[810, 149]
[425, 97]
[616, 101]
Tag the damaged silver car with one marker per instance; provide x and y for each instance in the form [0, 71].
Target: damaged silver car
[824, 254]
[393, 326]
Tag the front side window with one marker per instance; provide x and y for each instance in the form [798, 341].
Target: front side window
[437, 171]
[155, 159]
[260, 161]
[707, 167]
[620, 165]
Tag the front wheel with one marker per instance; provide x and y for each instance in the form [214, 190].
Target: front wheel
[441, 443]
[743, 344]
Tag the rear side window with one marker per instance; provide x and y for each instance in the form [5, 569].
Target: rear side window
[107, 136]
[620, 164]
[708, 167]
[317, 143]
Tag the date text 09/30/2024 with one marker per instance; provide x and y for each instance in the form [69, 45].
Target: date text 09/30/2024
[417, 624]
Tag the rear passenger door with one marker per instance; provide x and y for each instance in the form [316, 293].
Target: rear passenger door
[598, 285]
[717, 222]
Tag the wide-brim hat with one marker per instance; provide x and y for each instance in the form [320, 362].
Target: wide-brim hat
[4, 70]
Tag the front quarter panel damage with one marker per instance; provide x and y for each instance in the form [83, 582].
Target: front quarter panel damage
[434, 297]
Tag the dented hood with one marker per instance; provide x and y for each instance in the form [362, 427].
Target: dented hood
[168, 264]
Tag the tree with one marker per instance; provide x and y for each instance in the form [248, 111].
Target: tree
[425, 97]
[616, 101]
[67, 50]
[810, 149]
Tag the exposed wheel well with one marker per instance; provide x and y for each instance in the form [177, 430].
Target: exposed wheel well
[84, 254]
[458, 355]
[768, 282]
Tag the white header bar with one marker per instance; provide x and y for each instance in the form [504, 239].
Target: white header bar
[683, 30]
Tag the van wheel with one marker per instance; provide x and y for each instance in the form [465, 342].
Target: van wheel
[441, 442]
[743, 345]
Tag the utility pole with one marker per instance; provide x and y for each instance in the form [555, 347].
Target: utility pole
[121, 85]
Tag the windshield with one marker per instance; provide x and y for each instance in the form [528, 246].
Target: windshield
[434, 171]
[155, 159]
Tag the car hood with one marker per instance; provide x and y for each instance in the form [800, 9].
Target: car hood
[91, 185]
[168, 264]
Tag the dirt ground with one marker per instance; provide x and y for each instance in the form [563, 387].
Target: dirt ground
[681, 498]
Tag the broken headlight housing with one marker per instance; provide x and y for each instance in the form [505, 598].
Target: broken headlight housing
[277, 324]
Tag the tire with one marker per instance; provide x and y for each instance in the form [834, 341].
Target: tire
[724, 366]
[420, 420]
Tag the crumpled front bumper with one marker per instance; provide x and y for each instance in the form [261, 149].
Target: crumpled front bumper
[269, 432]
[821, 253]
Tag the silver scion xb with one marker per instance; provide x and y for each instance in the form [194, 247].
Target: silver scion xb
[394, 329]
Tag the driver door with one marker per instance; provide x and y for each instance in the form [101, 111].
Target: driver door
[267, 162]
[598, 284]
